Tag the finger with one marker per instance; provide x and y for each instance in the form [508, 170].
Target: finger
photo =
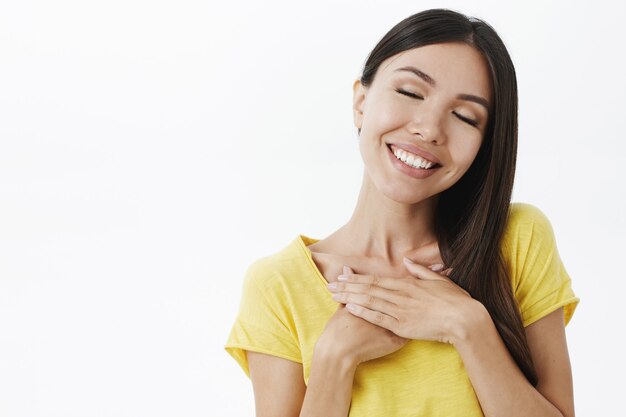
[436, 267]
[383, 282]
[369, 290]
[423, 272]
[368, 301]
[347, 270]
[374, 317]
[441, 269]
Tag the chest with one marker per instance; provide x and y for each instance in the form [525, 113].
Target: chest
[331, 266]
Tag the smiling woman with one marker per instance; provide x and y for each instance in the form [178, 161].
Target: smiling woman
[433, 108]
[439, 297]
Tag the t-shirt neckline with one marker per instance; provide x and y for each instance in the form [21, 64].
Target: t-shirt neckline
[303, 242]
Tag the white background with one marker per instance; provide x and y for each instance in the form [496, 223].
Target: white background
[151, 150]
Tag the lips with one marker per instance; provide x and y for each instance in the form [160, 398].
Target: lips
[417, 173]
[415, 151]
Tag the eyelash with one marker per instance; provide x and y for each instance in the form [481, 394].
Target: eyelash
[416, 96]
[406, 93]
[466, 120]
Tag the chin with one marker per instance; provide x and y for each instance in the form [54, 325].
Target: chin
[405, 196]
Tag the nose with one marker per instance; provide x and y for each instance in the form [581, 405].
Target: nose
[427, 126]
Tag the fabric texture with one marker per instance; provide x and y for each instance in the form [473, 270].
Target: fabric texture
[285, 306]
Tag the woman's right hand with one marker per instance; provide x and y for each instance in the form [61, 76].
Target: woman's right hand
[356, 339]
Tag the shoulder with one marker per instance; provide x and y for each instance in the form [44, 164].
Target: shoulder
[271, 272]
[526, 226]
[539, 279]
[528, 242]
[527, 216]
[269, 286]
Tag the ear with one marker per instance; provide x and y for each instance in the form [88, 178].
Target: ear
[358, 101]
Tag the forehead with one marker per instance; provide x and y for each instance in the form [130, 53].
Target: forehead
[454, 66]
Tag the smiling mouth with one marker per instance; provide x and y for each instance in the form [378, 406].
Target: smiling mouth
[412, 160]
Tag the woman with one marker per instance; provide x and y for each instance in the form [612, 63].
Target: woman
[438, 297]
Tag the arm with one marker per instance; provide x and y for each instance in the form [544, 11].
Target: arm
[432, 307]
[330, 385]
[345, 342]
[499, 384]
[279, 388]
[278, 385]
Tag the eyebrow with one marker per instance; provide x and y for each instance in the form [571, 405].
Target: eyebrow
[468, 97]
[420, 74]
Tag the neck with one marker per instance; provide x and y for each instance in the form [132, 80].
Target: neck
[385, 229]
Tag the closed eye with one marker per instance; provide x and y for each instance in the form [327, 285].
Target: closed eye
[409, 94]
[466, 119]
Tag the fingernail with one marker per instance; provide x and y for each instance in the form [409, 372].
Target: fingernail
[342, 278]
[332, 286]
[436, 267]
[352, 307]
[346, 270]
[408, 260]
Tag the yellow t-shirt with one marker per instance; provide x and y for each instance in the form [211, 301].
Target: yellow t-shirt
[285, 306]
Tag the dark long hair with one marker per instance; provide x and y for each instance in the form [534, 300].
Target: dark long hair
[471, 215]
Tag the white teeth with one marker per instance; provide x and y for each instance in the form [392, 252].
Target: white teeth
[412, 160]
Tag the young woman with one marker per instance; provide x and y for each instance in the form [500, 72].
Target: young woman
[438, 297]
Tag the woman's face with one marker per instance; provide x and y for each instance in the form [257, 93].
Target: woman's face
[432, 102]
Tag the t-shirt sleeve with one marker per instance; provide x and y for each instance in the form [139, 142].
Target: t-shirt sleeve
[264, 323]
[541, 283]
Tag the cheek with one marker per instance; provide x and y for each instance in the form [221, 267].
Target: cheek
[386, 116]
[465, 150]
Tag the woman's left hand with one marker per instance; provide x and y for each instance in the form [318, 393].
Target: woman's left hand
[425, 306]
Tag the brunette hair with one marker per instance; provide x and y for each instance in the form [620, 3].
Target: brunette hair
[471, 215]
